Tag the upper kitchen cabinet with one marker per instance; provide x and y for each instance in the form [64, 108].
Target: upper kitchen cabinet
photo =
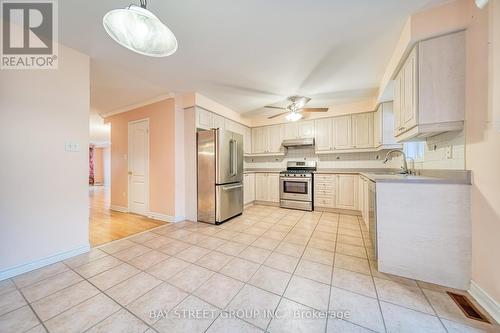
[247, 145]
[207, 120]
[220, 122]
[299, 130]
[383, 127]
[323, 137]
[267, 140]
[204, 119]
[342, 133]
[275, 139]
[429, 89]
[362, 127]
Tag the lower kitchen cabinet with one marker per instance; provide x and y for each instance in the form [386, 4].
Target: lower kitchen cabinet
[324, 190]
[248, 188]
[364, 198]
[267, 187]
[347, 192]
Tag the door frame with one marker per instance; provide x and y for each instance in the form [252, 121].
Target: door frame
[128, 165]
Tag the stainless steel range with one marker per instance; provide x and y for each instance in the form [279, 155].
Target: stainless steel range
[296, 185]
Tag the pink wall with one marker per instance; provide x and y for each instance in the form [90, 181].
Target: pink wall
[162, 151]
[482, 157]
[98, 166]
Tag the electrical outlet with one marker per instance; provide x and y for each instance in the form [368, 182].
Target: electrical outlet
[71, 146]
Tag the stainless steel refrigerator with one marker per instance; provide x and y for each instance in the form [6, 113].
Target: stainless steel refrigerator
[220, 175]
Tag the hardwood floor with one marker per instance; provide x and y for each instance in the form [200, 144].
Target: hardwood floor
[107, 225]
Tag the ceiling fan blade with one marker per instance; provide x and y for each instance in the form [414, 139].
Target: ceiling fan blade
[314, 109]
[277, 115]
[274, 107]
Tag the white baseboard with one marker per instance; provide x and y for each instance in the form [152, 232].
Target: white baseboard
[10, 272]
[165, 218]
[119, 208]
[485, 300]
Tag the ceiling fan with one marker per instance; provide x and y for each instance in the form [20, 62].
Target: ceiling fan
[295, 108]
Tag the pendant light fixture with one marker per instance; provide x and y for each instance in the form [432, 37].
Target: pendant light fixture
[139, 30]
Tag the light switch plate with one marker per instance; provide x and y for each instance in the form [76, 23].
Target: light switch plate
[449, 152]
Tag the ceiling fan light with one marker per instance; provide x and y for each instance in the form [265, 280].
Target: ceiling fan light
[293, 116]
[139, 30]
[481, 3]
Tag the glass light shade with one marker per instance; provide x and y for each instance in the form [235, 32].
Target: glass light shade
[293, 116]
[139, 30]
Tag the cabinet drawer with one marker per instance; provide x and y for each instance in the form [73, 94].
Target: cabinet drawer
[324, 202]
[326, 178]
[324, 184]
[323, 193]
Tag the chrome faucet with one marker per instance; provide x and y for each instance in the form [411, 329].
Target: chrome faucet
[405, 165]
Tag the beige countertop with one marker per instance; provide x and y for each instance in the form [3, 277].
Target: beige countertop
[392, 175]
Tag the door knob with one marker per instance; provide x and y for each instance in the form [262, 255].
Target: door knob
[130, 173]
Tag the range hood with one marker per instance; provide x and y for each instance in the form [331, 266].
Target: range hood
[298, 142]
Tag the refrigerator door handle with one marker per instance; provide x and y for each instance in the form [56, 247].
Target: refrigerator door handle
[235, 157]
[231, 157]
[232, 188]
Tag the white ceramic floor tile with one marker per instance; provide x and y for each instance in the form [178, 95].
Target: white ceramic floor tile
[363, 310]
[352, 281]
[120, 322]
[232, 325]
[403, 320]
[161, 298]
[288, 320]
[83, 316]
[402, 294]
[240, 269]
[136, 286]
[308, 292]
[219, 290]
[255, 304]
[191, 278]
[192, 315]
[271, 279]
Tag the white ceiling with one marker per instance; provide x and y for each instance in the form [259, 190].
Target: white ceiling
[244, 54]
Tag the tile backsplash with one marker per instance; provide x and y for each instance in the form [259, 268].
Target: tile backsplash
[444, 151]
[344, 160]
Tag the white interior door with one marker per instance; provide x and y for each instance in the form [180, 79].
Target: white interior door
[138, 162]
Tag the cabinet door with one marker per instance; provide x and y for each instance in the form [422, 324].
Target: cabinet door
[275, 138]
[409, 119]
[306, 129]
[246, 188]
[261, 187]
[219, 121]
[251, 189]
[205, 119]
[377, 126]
[366, 202]
[259, 140]
[363, 130]
[347, 191]
[360, 194]
[398, 102]
[273, 181]
[323, 134]
[342, 132]
[291, 130]
[247, 144]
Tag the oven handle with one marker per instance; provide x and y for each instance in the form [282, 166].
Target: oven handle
[296, 179]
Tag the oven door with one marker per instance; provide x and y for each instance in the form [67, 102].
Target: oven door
[299, 189]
